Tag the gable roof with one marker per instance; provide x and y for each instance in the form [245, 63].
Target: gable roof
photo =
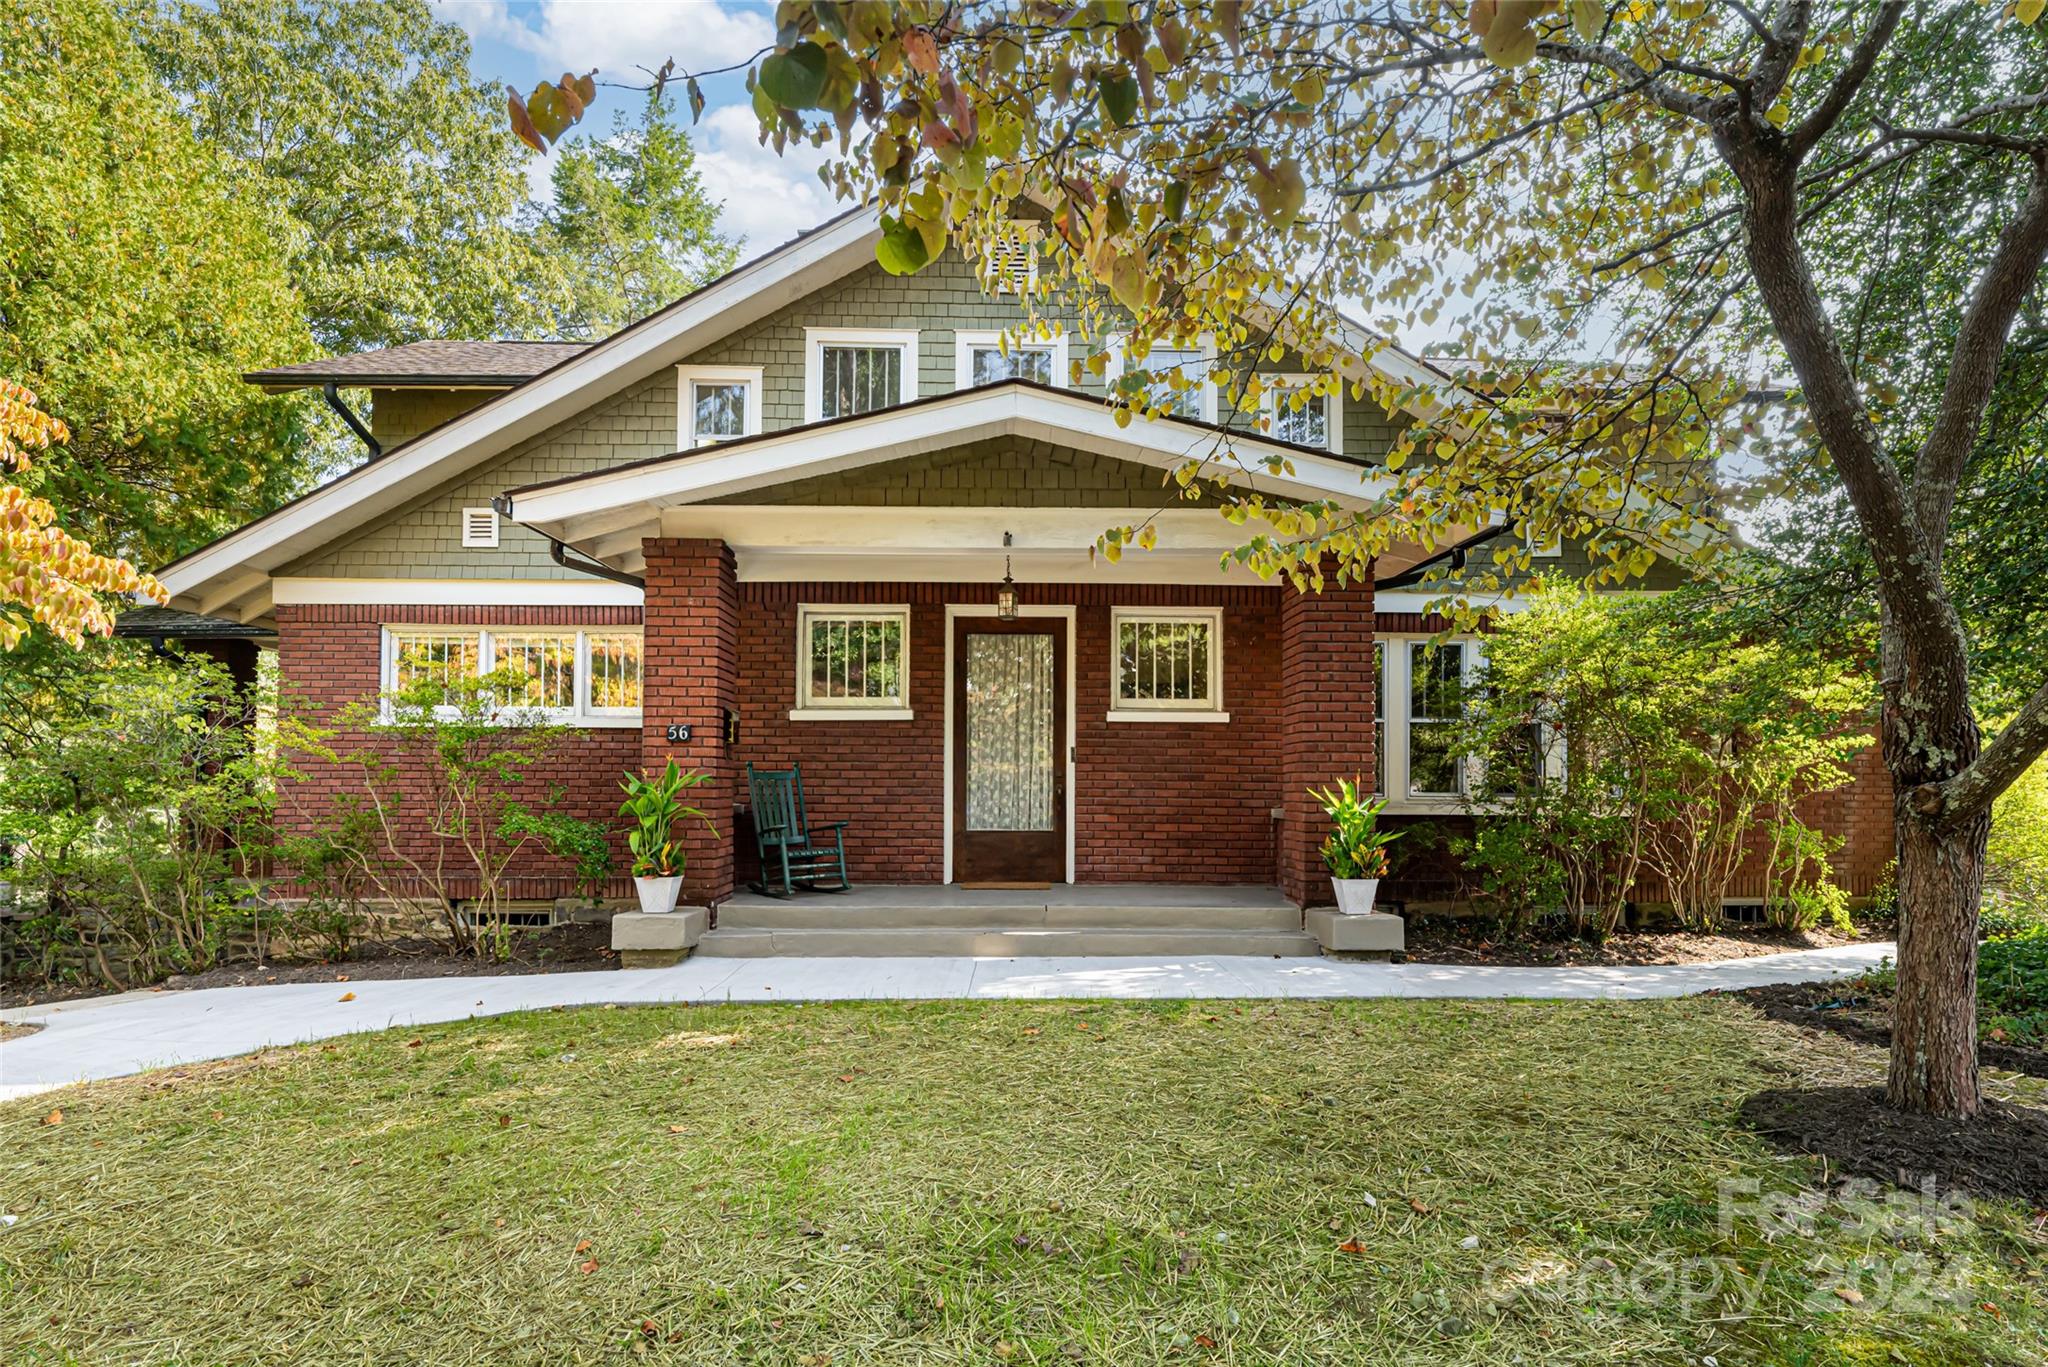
[232, 574]
[443, 363]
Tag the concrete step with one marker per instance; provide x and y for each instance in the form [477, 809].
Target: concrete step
[1000, 942]
[819, 912]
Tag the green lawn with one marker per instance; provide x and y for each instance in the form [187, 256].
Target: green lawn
[953, 1183]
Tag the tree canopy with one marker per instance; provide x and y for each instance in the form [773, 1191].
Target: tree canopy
[416, 212]
[140, 275]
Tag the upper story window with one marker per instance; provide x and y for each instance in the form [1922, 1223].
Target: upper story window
[570, 675]
[1176, 377]
[1295, 414]
[1168, 663]
[986, 357]
[716, 403]
[851, 371]
[852, 661]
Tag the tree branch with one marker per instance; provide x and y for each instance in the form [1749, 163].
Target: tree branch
[1850, 80]
[1668, 96]
[1781, 50]
[1973, 365]
[1971, 791]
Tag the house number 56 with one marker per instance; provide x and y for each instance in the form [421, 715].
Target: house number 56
[680, 732]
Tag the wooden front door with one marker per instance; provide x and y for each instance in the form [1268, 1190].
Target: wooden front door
[1009, 750]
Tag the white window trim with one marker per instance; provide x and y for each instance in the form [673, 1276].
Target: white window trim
[470, 518]
[817, 339]
[848, 709]
[1333, 407]
[1205, 391]
[581, 715]
[686, 411]
[1209, 709]
[966, 343]
[1395, 719]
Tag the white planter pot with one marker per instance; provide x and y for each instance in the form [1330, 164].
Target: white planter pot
[659, 895]
[1354, 895]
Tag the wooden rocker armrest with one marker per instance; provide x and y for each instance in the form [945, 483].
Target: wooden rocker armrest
[830, 825]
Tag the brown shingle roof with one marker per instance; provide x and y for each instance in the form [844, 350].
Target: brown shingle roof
[431, 363]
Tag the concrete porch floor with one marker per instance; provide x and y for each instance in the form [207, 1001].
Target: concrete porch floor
[1063, 919]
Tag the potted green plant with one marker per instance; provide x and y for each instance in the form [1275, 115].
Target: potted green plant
[1355, 851]
[655, 806]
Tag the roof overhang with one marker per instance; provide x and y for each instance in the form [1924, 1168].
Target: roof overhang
[607, 515]
[231, 575]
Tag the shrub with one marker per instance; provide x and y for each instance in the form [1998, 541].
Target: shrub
[2016, 865]
[140, 806]
[1613, 741]
[439, 780]
[2012, 986]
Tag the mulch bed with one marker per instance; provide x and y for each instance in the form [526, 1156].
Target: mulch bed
[2002, 1152]
[1848, 1010]
[558, 949]
[9, 1031]
[1469, 942]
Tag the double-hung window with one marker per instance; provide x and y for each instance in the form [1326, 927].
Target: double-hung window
[1294, 412]
[986, 357]
[1436, 699]
[575, 676]
[716, 403]
[849, 371]
[1167, 664]
[852, 662]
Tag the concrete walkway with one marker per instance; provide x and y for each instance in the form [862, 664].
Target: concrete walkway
[113, 1036]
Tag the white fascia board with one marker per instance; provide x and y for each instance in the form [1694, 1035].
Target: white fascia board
[770, 283]
[582, 591]
[1066, 419]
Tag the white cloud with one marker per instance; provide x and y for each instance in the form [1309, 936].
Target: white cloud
[623, 39]
[768, 199]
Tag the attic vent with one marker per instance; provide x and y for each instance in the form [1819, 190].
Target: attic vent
[480, 527]
[1011, 266]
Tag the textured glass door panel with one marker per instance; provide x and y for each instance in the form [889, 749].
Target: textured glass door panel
[1009, 732]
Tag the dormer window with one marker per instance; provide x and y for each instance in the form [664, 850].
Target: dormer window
[716, 403]
[852, 371]
[1176, 376]
[1293, 412]
[986, 357]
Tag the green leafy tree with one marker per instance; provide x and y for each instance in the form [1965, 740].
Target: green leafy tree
[632, 212]
[1651, 181]
[141, 272]
[414, 208]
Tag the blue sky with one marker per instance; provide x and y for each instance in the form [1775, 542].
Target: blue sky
[767, 198]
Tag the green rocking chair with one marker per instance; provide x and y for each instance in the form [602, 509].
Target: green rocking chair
[793, 852]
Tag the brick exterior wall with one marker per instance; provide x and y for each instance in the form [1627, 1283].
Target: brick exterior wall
[1326, 717]
[1154, 802]
[689, 676]
[329, 656]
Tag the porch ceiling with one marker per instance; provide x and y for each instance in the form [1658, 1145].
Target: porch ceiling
[729, 492]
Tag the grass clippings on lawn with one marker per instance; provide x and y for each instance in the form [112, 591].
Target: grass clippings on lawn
[1117, 1183]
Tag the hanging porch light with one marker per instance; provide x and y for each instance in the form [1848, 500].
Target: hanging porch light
[1006, 592]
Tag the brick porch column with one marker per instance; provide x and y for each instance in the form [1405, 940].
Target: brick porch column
[1326, 716]
[690, 678]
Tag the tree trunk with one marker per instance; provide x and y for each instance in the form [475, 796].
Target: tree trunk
[1934, 1015]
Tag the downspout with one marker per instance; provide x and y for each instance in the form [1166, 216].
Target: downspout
[558, 553]
[347, 415]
